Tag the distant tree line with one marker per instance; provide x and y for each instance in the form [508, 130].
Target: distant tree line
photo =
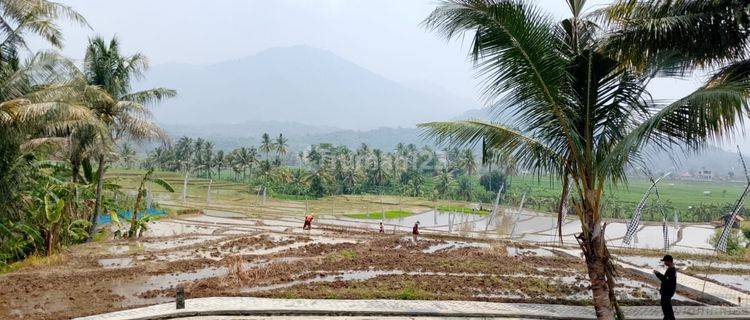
[327, 169]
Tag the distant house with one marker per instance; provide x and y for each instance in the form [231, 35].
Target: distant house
[705, 175]
[685, 176]
[737, 222]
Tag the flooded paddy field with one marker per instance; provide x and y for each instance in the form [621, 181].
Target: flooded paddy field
[243, 245]
[728, 273]
[222, 253]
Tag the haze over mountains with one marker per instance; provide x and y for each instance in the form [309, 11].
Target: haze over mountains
[297, 84]
[313, 96]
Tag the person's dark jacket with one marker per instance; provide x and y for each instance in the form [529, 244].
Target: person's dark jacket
[668, 282]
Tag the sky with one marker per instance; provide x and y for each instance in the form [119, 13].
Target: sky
[384, 36]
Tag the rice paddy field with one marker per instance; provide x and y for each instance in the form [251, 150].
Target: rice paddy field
[680, 195]
[232, 242]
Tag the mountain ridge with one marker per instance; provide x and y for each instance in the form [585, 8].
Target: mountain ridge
[301, 84]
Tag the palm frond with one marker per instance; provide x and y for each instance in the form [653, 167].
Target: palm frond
[163, 183]
[150, 96]
[529, 152]
[35, 16]
[709, 114]
[138, 128]
[515, 49]
[701, 32]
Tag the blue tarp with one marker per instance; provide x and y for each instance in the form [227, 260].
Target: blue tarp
[104, 219]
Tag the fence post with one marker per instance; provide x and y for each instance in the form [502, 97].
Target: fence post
[180, 298]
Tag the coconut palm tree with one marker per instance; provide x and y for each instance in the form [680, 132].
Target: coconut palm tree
[465, 189]
[38, 99]
[207, 157]
[219, 162]
[443, 182]
[124, 113]
[413, 182]
[301, 158]
[127, 155]
[394, 163]
[197, 148]
[579, 108]
[19, 18]
[363, 155]
[31, 91]
[245, 158]
[468, 162]
[377, 168]
[314, 157]
[281, 148]
[266, 145]
[692, 34]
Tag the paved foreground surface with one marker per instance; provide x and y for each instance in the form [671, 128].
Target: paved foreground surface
[341, 318]
[357, 309]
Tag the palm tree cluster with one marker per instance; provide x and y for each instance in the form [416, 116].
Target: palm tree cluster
[325, 169]
[577, 93]
[198, 156]
[57, 120]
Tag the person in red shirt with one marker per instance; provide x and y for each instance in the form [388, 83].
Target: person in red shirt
[415, 231]
[308, 222]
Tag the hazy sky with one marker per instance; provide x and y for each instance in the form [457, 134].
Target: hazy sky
[383, 36]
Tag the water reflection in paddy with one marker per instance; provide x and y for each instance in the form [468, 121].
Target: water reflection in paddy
[697, 236]
[735, 280]
[527, 226]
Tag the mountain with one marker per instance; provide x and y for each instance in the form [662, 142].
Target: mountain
[298, 84]
[245, 129]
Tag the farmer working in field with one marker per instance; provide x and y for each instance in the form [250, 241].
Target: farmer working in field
[381, 228]
[415, 231]
[668, 286]
[308, 222]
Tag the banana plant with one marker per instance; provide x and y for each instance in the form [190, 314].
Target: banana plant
[137, 226]
[17, 239]
[78, 230]
[52, 211]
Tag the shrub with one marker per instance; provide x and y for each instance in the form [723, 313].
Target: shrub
[492, 181]
[735, 243]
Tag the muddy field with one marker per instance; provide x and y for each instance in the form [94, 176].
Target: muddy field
[275, 258]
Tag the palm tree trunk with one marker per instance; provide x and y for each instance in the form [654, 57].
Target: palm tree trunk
[185, 185]
[600, 289]
[98, 203]
[595, 252]
[75, 167]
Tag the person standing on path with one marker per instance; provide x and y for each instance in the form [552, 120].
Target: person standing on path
[308, 222]
[415, 231]
[668, 286]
